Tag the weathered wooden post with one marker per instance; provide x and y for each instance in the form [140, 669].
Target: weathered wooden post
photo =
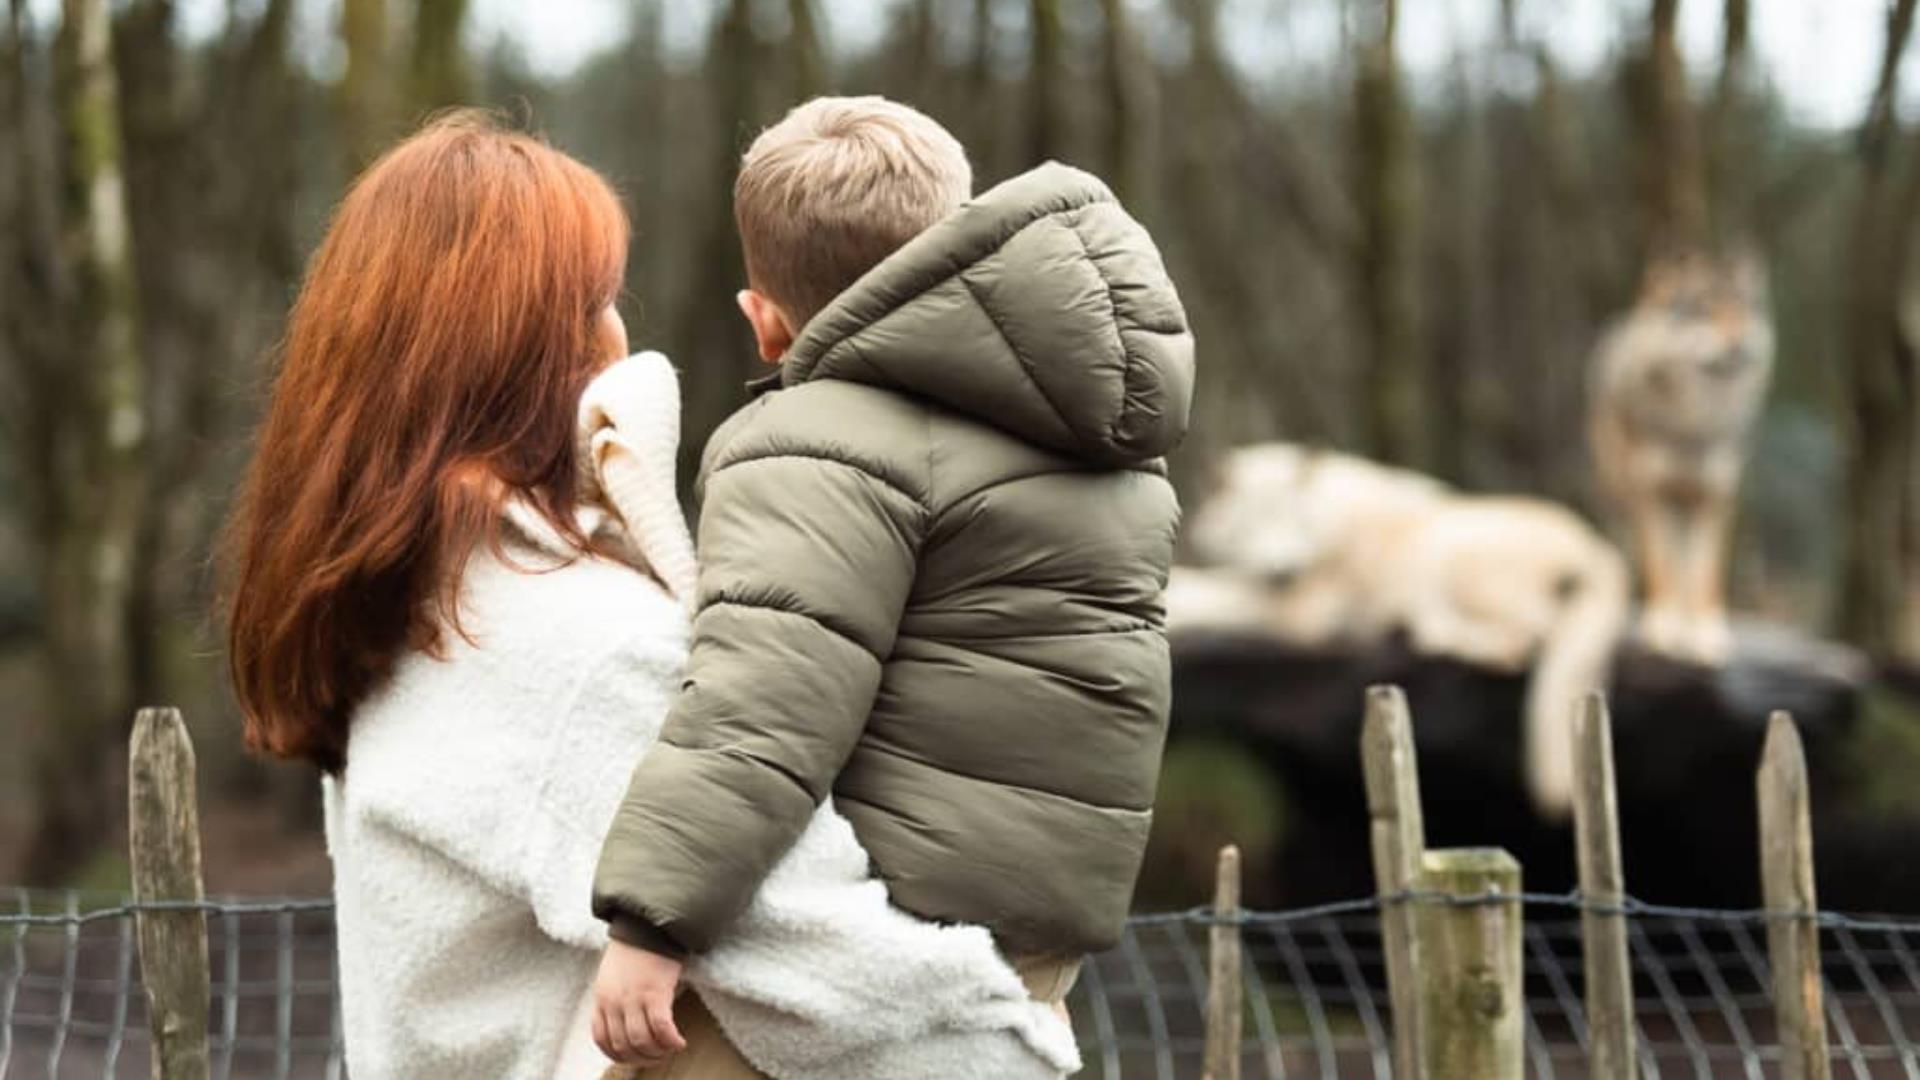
[1603, 927]
[1473, 1010]
[1224, 972]
[1786, 877]
[164, 838]
[1398, 835]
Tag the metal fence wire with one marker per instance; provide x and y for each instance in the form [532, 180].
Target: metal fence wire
[1315, 983]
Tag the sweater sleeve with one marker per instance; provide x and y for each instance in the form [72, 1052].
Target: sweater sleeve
[630, 440]
[806, 567]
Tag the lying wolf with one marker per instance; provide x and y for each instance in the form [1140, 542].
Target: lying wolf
[1677, 386]
[1318, 548]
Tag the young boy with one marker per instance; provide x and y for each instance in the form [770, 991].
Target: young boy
[932, 562]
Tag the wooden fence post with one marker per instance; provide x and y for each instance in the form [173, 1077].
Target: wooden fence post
[1786, 877]
[1596, 825]
[164, 841]
[1473, 1010]
[1398, 835]
[1224, 973]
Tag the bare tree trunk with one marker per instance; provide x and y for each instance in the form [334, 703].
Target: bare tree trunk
[1394, 381]
[1736, 47]
[439, 76]
[32, 271]
[365, 96]
[250, 113]
[96, 474]
[164, 175]
[1877, 562]
[1508, 361]
[1732, 141]
[1473, 153]
[264, 76]
[650, 260]
[810, 78]
[14, 168]
[720, 353]
[1675, 195]
[1126, 111]
[1255, 175]
[1046, 131]
[983, 84]
[1556, 272]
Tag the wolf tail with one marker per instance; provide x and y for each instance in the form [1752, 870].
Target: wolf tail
[1575, 659]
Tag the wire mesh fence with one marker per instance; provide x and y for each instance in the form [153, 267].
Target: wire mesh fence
[71, 1003]
[1315, 984]
[1317, 1003]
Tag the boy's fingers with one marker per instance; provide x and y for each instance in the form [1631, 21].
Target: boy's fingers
[600, 1033]
[618, 1047]
[665, 1033]
[640, 1033]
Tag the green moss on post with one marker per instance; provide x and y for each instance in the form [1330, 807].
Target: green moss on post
[1471, 1002]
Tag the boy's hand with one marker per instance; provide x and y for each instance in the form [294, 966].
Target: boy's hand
[633, 1006]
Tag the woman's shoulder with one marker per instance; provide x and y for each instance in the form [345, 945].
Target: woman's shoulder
[533, 630]
[551, 663]
[528, 598]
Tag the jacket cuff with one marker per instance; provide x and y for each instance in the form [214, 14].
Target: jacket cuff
[642, 934]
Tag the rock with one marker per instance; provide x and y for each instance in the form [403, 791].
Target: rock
[1687, 743]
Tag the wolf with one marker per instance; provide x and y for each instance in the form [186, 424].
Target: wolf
[1318, 548]
[1677, 385]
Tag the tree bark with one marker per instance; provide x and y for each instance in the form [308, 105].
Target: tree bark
[165, 180]
[439, 75]
[985, 145]
[810, 78]
[1046, 132]
[32, 274]
[96, 475]
[1126, 111]
[225, 170]
[1731, 128]
[1392, 420]
[1472, 152]
[364, 97]
[1878, 560]
[13, 169]
[720, 351]
[1675, 195]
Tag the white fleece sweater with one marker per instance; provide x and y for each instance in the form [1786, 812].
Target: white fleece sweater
[465, 831]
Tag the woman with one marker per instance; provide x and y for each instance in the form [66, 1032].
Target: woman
[433, 603]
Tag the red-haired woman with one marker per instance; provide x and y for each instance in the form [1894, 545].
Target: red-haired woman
[436, 601]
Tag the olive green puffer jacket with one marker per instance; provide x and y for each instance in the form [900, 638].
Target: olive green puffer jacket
[931, 586]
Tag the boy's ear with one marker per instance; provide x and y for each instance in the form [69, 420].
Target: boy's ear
[770, 327]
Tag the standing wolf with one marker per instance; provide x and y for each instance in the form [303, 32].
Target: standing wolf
[1677, 386]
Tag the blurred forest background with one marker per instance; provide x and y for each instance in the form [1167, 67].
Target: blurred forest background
[1415, 269]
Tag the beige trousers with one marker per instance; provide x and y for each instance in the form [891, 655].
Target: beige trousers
[709, 1056]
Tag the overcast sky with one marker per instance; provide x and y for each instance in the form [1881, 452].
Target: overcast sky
[1821, 52]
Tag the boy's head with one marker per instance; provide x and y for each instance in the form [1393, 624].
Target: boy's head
[827, 193]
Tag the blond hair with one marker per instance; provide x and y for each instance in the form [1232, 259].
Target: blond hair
[834, 188]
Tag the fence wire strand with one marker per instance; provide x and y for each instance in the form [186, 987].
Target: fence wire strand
[1315, 984]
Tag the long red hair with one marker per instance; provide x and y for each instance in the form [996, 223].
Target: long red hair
[432, 366]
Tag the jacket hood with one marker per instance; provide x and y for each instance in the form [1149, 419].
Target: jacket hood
[1039, 307]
